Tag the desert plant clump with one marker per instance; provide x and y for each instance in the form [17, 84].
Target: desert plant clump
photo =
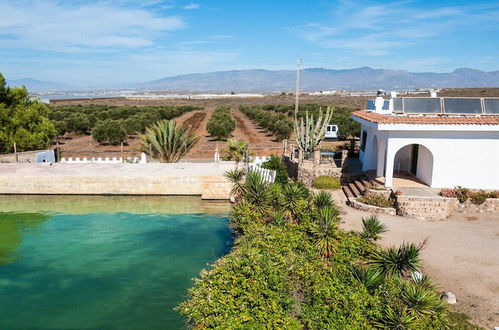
[372, 228]
[221, 123]
[376, 200]
[167, 142]
[305, 272]
[326, 182]
[462, 194]
[479, 197]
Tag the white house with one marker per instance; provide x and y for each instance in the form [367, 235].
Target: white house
[443, 142]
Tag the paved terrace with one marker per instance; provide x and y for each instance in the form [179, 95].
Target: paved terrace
[204, 179]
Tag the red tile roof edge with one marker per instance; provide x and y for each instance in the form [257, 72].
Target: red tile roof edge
[427, 120]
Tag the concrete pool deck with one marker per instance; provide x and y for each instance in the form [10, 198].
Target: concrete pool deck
[203, 179]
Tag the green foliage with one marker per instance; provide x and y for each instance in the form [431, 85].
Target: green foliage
[109, 131]
[376, 200]
[236, 177]
[235, 150]
[77, 123]
[303, 274]
[479, 197]
[323, 199]
[462, 194]
[282, 129]
[372, 228]
[309, 132]
[401, 261]
[167, 142]
[23, 121]
[279, 124]
[275, 163]
[326, 182]
[221, 123]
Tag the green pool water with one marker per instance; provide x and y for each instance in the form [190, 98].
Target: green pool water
[103, 262]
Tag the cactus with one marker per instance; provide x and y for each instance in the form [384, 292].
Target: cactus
[310, 133]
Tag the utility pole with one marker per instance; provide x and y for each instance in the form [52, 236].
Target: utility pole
[297, 89]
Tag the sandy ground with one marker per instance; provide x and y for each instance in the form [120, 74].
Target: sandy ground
[461, 256]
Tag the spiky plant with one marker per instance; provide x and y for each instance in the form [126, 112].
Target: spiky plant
[279, 218]
[166, 141]
[309, 132]
[397, 318]
[236, 177]
[256, 191]
[397, 261]
[370, 278]
[372, 228]
[325, 229]
[420, 301]
[292, 194]
[323, 199]
[235, 150]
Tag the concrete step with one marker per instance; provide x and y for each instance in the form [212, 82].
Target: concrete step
[354, 190]
[347, 192]
[361, 187]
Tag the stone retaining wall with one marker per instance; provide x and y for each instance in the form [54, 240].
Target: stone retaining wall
[308, 171]
[371, 208]
[386, 193]
[491, 205]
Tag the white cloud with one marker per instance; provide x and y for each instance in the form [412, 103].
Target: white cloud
[65, 27]
[379, 30]
[191, 6]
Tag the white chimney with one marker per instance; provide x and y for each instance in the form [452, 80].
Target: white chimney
[433, 93]
[393, 94]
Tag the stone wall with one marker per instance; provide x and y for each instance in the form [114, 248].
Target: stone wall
[426, 208]
[386, 193]
[371, 208]
[491, 205]
[22, 157]
[307, 171]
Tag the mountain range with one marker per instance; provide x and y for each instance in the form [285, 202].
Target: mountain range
[313, 79]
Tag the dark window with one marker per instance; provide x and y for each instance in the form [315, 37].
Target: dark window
[364, 139]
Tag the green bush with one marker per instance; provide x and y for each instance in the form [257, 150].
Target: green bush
[279, 276]
[110, 131]
[275, 163]
[376, 200]
[221, 123]
[326, 182]
[462, 194]
[479, 197]
[77, 123]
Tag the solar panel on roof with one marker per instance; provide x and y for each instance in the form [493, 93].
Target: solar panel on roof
[397, 104]
[462, 105]
[421, 105]
[491, 105]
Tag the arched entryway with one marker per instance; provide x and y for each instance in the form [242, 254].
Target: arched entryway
[413, 162]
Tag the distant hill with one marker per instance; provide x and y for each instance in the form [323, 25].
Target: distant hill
[34, 85]
[321, 79]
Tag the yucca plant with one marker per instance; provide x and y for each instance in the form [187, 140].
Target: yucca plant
[396, 318]
[236, 177]
[325, 229]
[420, 301]
[397, 261]
[371, 278]
[166, 141]
[292, 194]
[372, 228]
[279, 218]
[256, 191]
[323, 199]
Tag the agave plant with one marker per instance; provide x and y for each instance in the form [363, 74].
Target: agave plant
[236, 177]
[401, 261]
[256, 191]
[372, 228]
[235, 150]
[323, 199]
[371, 278]
[324, 230]
[309, 133]
[166, 141]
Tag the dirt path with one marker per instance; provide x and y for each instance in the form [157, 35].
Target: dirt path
[461, 255]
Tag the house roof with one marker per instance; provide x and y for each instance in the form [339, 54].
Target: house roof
[427, 119]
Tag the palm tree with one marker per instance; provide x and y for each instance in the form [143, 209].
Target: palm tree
[401, 261]
[255, 191]
[324, 230]
[166, 141]
[372, 228]
[235, 150]
[323, 199]
[236, 177]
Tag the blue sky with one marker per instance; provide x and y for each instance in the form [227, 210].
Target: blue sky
[97, 42]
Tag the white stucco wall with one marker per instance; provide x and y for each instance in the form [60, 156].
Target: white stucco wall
[468, 158]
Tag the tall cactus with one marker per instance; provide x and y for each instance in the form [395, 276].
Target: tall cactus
[310, 133]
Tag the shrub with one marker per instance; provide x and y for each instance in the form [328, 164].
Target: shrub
[326, 182]
[282, 129]
[494, 194]
[479, 197]
[447, 192]
[376, 200]
[221, 123]
[78, 123]
[275, 163]
[110, 131]
[462, 194]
